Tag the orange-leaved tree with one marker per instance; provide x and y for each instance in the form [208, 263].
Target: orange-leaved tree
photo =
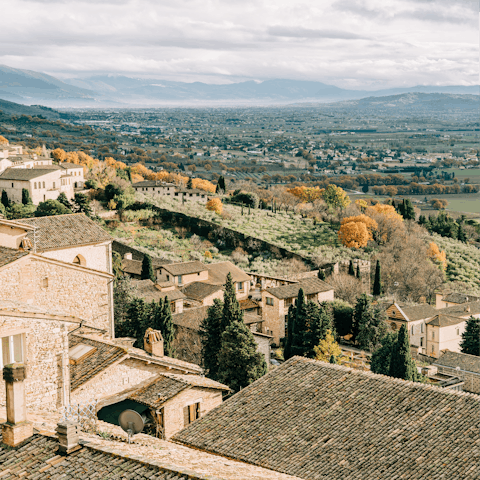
[388, 220]
[439, 257]
[215, 205]
[59, 155]
[306, 194]
[3, 140]
[355, 232]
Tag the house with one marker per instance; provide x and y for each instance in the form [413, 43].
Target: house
[277, 300]
[452, 299]
[159, 188]
[465, 366]
[443, 332]
[152, 292]
[42, 183]
[315, 420]
[182, 273]
[171, 401]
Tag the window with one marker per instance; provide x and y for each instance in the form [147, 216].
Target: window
[180, 280]
[458, 331]
[191, 413]
[11, 349]
[421, 328]
[35, 185]
[172, 307]
[12, 184]
[43, 184]
[79, 260]
[45, 282]
[269, 301]
[240, 286]
[168, 278]
[421, 341]
[53, 184]
[411, 330]
[433, 349]
[433, 335]
[394, 326]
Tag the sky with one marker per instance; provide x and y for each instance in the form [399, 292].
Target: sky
[360, 44]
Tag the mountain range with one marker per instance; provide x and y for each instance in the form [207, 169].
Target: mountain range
[29, 87]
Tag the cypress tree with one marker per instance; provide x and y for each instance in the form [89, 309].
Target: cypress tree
[300, 326]
[26, 200]
[168, 331]
[221, 184]
[358, 270]
[62, 198]
[377, 283]
[461, 234]
[381, 357]
[231, 307]
[408, 210]
[320, 321]
[471, 337]
[321, 274]
[287, 353]
[401, 361]
[135, 324]
[362, 305]
[5, 200]
[351, 270]
[147, 269]
[333, 359]
[190, 183]
[372, 327]
[211, 333]
[238, 360]
[81, 204]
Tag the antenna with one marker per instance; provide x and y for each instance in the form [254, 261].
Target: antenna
[131, 422]
[34, 239]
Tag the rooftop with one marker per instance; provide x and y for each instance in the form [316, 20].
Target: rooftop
[200, 290]
[64, 231]
[463, 310]
[444, 321]
[25, 174]
[152, 183]
[217, 273]
[146, 289]
[184, 268]
[459, 298]
[418, 312]
[316, 420]
[468, 363]
[9, 255]
[309, 285]
[190, 317]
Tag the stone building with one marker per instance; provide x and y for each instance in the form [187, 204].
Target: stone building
[453, 299]
[277, 300]
[466, 367]
[159, 188]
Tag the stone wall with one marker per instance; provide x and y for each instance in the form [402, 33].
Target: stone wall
[65, 288]
[46, 359]
[173, 409]
[472, 380]
[187, 345]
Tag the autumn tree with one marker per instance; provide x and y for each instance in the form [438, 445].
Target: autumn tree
[328, 348]
[335, 197]
[438, 257]
[59, 155]
[354, 235]
[3, 140]
[215, 205]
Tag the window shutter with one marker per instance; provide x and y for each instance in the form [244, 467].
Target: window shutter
[186, 416]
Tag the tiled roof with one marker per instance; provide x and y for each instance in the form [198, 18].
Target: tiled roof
[69, 165]
[459, 298]
[320, 421]
[248, 304]
[166, 386]
[444, 321]
[200, 290]
[468, 363]
[190, 317]
[38, 459]
[463, 310]
[123, 248]
[309, 285]
[104, 356]
[9, 255]
[63, 231]
[146, 289]
[418, 312]
[249, 318]
[217, 273]
[25, 174]
[185, 268]
[152, 183]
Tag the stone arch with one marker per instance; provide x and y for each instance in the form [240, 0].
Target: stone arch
[80, 260]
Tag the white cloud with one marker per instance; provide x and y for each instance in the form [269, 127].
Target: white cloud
[355, 44]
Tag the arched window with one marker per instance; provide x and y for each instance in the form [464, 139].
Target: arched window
[80, 260]
[35, 185]
[393, 325]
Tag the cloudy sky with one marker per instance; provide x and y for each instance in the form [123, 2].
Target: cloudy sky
[349, 43]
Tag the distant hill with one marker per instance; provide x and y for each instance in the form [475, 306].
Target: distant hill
[11, 108]
[28, 87]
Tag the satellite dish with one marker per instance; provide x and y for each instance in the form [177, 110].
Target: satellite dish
[131, 422]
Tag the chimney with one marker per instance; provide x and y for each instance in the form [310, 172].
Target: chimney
[17, 428]
[67, 433]
[153, 342]
[128, 256]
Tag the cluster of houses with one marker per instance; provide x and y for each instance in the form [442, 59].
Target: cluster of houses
[37, 174]
[58, 349]
[170, 190]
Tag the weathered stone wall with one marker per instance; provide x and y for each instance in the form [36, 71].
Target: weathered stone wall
[173, 409]
[263, 346]
[66, 289]
[96, 256]
[46, 359]
[187, 345]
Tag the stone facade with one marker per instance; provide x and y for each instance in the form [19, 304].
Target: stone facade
[45, 349]
[66, 288]
[187, 345]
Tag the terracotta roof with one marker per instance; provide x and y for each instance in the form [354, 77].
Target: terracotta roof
[459, 298]
[200, 290]
[185, 268]
[418, 312]
[190, 317]
[316, 421]
[38, 459]
[104, 356]
[468, 363]
[9, 255]
[217, 273]
[146, 289]
[166, 386]
[444, 320]
[25, 174]
[132, 266]
[309, 285]
[123, 248]
[63, 231]
[249, 318]
[463, 310]
[248, 304]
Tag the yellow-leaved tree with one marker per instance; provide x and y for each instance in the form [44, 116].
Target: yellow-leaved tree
[3, 140]
[439, 257]
[306, 194]
[355, 232]
[215, 205]
[335, 197]
[328, 349]
[388, 220]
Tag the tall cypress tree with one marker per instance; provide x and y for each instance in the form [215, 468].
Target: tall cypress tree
[136, 322]
[287, 353]
[231, 307]
[408, 210]
[471, 337]
[300, 326]
[238, 360]
[221, 184]
[362, 305]
[381, 357]
[147, 269]
[190, 183]
[358, 270]
[351, 271]
[461, 234]
[401, 361]
[377, 283]
[320, 320]
[211, 333]
[168, 331]
[372, 327]
[26, 199]
[5, 199]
